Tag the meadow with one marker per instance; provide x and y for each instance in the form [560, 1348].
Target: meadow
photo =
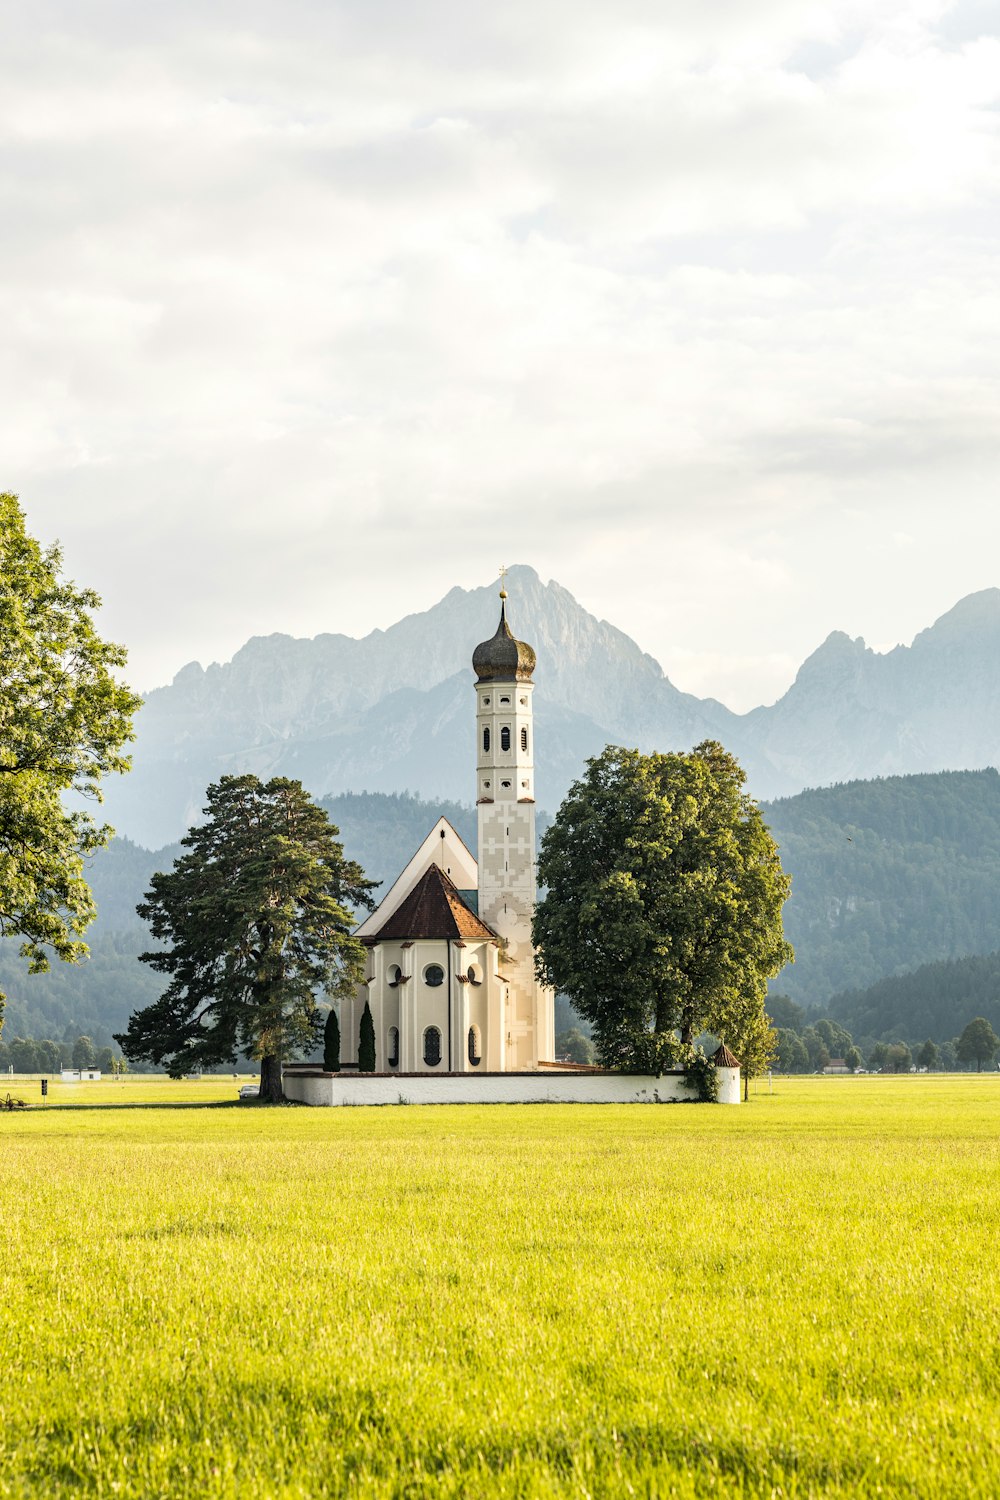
[797, 1297]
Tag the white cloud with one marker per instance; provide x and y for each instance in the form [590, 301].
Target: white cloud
[312, 311]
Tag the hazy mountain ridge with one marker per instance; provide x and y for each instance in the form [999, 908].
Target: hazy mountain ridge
[853, 713]
[394, 710]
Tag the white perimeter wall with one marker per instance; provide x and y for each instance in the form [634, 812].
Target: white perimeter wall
[499, 1088]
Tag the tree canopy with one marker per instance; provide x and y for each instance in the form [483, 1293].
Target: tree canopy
[662, 911]
[978, 1043]
[259, 915]
[64, 719]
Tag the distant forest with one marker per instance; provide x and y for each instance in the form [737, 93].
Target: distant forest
[936, 1000]
[888, 877]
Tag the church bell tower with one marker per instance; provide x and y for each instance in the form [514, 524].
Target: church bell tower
[505, 796]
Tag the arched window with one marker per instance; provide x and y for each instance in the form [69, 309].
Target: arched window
[474, 974]
[504, 700]
[432, 1047]
[475, 1051]
[486, 739]
[504, 737]
[433, 975]
[393, 974]
[524, 739]
[393, 1058]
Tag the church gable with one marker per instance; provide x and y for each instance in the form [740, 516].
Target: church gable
[433, 909]
[444, 848]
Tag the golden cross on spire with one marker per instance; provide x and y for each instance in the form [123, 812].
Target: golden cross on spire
[503, 581]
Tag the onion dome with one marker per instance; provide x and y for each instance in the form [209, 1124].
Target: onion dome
[502, 658]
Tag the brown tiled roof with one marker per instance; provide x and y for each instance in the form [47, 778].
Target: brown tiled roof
[433, 909]
[723, 1058]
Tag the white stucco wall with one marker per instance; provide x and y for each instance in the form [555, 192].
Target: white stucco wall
[411, 1005]
[546, 1087]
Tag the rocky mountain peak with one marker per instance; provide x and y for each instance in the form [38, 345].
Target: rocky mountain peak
[394, 710]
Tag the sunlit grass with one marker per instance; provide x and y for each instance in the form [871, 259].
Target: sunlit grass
[797, 1297]
[133, 1088]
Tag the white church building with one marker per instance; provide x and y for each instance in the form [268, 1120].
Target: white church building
[459, 1015]
[450, 974]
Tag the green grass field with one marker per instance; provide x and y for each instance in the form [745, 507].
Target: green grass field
[799, 1297]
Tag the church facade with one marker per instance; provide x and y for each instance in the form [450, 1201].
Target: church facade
[450, 969]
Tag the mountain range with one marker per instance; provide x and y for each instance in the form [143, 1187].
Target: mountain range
[394, 711]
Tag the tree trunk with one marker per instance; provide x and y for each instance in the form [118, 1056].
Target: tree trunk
[271, 1091]
[746, 1088]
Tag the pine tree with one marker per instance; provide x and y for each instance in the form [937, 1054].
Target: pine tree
[259, 914]
[366, 1047]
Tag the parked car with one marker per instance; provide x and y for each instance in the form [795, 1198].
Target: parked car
[250, 1091]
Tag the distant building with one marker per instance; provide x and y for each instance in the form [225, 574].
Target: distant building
[80, 1075]
[836, 1065]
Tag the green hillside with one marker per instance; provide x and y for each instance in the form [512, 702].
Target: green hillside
[936, 1001]
[888, 875]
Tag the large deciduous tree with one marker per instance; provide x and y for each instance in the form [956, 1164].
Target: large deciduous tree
[978, 1043]
[64, 719]
[662, 913]
[259, 916]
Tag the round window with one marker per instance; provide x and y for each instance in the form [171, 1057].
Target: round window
[434, 975]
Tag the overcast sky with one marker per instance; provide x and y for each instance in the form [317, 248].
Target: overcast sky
[313, 311]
